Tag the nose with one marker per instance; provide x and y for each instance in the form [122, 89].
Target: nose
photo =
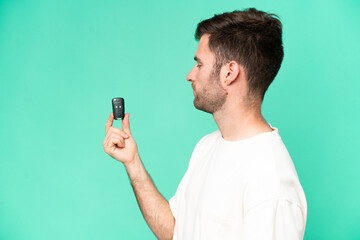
[190, 76]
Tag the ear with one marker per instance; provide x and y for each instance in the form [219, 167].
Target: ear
[232, 72]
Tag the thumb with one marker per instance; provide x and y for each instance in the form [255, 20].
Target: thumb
[126, 124]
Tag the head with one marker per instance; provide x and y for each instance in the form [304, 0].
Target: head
[249, 41]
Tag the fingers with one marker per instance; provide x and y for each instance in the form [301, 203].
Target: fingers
[122, 133]
[117, 140]
[126, 124]
[112, 139]
[115, 137]
[109, 122]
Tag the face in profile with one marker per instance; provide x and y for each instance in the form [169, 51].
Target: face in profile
[208, 94]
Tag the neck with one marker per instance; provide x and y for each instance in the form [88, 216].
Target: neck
[237, 123]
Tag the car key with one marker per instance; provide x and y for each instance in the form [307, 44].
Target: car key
[118, 108]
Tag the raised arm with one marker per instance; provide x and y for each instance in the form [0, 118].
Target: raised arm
[120, 145]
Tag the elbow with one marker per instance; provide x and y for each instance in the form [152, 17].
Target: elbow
[169, 234]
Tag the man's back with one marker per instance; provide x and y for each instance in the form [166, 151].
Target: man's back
[246, 189]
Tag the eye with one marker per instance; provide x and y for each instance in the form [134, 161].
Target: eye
[198, 66]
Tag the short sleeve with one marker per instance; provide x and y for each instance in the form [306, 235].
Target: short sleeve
[173, 206]
[275, 219]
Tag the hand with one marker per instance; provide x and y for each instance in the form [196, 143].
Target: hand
[118, 143]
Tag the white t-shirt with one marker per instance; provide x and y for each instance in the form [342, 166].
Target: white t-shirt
[246, 189]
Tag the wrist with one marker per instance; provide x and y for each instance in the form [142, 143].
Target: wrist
[133, 167]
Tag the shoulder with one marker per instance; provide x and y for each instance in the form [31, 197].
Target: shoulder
[208, 139]
[272, 175]
[203, 145]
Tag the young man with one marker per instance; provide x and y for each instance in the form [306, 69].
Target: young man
[241, 182]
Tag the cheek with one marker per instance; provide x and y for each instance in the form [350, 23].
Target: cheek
[203, 74]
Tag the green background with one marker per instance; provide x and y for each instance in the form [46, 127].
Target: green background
[61, 63]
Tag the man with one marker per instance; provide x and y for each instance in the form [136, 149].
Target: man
[241, 182]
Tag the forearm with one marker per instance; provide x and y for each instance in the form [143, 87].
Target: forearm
[154, 207]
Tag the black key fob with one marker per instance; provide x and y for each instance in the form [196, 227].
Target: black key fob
[118, 108]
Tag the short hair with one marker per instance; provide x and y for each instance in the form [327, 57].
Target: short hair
[253, 39]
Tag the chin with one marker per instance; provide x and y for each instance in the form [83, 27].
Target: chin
[201, 107]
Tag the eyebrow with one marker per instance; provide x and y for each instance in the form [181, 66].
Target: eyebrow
[197, 59]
